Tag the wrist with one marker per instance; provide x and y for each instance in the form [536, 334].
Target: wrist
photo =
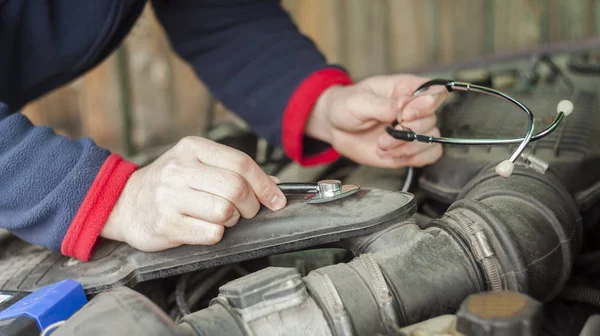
[96, 207]
[318, 124]
[113, 227]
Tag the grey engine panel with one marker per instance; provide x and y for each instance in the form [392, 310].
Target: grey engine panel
[299, 225]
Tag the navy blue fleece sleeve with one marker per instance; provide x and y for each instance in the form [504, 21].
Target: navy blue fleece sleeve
[54, 191]
[44, 178]
[249, 52]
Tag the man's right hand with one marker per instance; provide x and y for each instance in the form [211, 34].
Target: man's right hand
[189, 195]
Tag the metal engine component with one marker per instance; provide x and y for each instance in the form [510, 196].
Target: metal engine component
[267, 303]
[116, 312]
[407, 274]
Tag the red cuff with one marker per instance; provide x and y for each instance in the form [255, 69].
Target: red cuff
[96, 207]
[298, 109]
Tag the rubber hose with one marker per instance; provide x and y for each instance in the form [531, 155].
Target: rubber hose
[581, 294]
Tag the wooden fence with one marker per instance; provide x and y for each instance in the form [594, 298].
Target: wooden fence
[144, 95]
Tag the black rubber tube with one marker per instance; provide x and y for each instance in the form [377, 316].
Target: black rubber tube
[180, 289]
[532, 228]
[581, 294]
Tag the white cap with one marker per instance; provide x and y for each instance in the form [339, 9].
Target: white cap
[505, 168]
[565, 106]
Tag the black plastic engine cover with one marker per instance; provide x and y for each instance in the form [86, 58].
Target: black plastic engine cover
[299, 225]
[572, 150]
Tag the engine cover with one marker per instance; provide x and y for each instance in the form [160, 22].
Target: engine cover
[572, 151]
[299, 225]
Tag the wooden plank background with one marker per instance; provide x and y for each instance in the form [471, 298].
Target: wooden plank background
[144, 95]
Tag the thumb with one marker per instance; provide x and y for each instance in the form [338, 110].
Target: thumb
[367, 105]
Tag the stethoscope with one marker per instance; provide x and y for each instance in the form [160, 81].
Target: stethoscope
[506, 167]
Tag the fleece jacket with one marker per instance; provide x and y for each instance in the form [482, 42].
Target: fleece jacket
[58, 192]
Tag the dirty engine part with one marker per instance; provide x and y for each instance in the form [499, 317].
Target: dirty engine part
[407, 274]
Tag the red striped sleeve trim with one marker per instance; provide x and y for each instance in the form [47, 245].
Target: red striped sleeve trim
[298, 110]
[96, 207]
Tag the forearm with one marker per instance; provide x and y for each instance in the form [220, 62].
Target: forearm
[55, 192]
[257, 63]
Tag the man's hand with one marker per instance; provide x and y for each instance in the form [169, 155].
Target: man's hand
[353, 120]
[189, 195]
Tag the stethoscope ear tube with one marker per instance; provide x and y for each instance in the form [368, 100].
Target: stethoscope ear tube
[505, 168]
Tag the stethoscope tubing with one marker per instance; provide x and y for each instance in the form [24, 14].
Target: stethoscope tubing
[408, 135]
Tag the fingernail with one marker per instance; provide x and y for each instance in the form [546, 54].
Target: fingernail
[277, 202]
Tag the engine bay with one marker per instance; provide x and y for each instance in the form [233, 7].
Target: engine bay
[449, 249]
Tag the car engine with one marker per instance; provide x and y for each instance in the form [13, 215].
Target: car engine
[449, 249]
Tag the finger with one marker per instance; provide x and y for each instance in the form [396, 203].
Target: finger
[224, 157]
[426, 157]
[364, 152]
[193, 231]
[387, 142]
[366, 105]
[208, 207]
[275, 179]
[410, 149]
[227, 185]
[422, 125]
[424, 104]
[395, 86]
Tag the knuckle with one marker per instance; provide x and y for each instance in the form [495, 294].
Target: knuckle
[224, 211]
[164, 226]
[238, 188]
[163, 194]
[214, 234]
[429, 101]
[188, 144]
[242, 163]
[185, 143]
[171, 168]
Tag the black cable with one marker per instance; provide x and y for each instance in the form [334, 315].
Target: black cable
[581, 294]
[205, 286]
[180, 295]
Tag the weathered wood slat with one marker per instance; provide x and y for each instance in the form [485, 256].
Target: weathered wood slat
[323, 22]
[517, 24]
[462, 25]
[167, 101]
[411, 35]
[367, 37]
[100, 106]
[151, 79]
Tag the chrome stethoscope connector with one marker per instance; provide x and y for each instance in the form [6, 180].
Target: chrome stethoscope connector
[506, 167]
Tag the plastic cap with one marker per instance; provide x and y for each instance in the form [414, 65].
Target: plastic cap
[505, 313]
[505, 168]
[565, 106]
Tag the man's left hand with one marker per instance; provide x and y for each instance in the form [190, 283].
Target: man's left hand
[353, 119]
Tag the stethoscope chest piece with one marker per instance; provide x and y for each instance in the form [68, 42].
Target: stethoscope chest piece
[321, 192]
[332, 190]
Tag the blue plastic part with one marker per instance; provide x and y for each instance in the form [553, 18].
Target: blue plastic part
[50, 304]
